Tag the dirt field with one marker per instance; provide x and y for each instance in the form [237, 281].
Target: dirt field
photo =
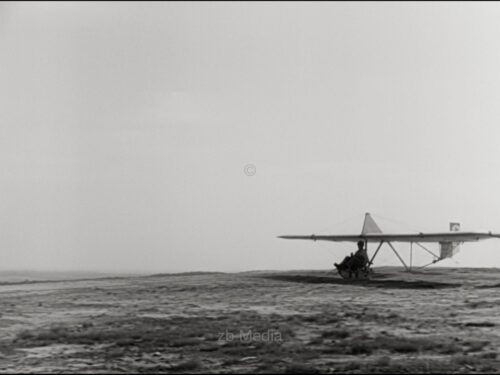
[302, 321]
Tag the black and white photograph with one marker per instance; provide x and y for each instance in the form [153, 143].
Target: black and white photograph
[249, 187]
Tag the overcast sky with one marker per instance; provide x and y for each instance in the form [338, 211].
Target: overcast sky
[125, 129]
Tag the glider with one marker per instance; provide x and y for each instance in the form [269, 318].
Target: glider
[449, 242]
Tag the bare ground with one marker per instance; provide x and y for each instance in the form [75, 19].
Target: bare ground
[438, 320]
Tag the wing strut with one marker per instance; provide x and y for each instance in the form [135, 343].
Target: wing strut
[399, 256]
[426, 249]
[411, 254]
[376, 252]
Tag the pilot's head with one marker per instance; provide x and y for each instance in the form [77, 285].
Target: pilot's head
[360, 245]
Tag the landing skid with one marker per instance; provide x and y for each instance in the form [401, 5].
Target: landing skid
[360, 275]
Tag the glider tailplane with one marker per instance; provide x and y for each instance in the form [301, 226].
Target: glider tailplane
[449, 249]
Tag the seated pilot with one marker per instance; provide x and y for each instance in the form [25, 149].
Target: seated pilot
[356, 261]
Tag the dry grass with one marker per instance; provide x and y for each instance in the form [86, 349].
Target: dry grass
[187, 366]
[167, 324]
